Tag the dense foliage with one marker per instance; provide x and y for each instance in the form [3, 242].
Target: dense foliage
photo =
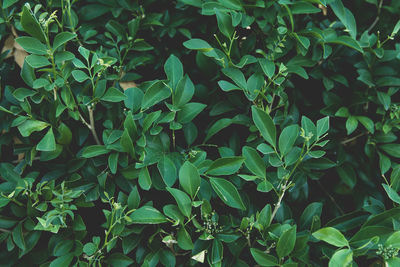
[199, 132]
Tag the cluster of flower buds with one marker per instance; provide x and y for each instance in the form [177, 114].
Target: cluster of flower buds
[387, 252]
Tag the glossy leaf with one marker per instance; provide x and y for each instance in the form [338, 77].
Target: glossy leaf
[265, 125]
[227, 192]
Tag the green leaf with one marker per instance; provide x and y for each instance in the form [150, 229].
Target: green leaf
[184, 239]
[167, 169]
[309, 127]
[84, 52]
[65, 134]
[254, 162]
[236, 76]
[89, 248]
[345, 16]
[262, 258]
[184, 202]
[391, 149]
[288, 138]
[217, 126]
[264, 217]
[30, 126]
[144, 179]
[127, 143]
[154, 94]
[396, 28]
[10, 175]
[224, 22]
[267, 66]
[393, 262]
[198, 44]
[31, 25]
[304, 8]
[134, 97]
[48, 142]
[116, 28]
[94, 151]
[189, 111]
[32, 45]
[147, 215]
[393, 240]
[367, 122]
[351, 124]
[225, 166]
[63, 260]
[341, 258]
[36, 61]
[119, 260]
[184, 92]
[286, 242]
[113, 162]
[331, 236]
[322, 126]
[130, 125]
[217, 252]
[393, 195]
[385, 100]
[189, 178]
[347, 41]
[227, 192]
[347, 175]
[8, 3]
[265, 125]
[18, 236]
[174, 70]
[62, 38]
[313, 209]
[133, 198]
[113, 95]
[79, 76]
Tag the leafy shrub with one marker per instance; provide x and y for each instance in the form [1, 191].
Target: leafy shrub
[190, 132]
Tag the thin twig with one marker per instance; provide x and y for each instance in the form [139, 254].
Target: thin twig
[344, 142]
[92, 126]
[84, 121]
[331, 198]
[377, 17]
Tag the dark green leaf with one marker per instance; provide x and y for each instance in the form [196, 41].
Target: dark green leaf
[147, 215]
[262, 258]
[227, 192]
[265, 125]
[184, 202]
[189, 111]
[286, 242]
[62, 38]
[48, 142]
[189, 178]
[254, 162]
[225, 166]
[31, 25]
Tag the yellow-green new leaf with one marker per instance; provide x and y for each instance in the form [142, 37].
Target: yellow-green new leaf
[331, 236]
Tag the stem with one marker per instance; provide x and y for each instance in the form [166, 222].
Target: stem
[92, 127]
[173, 138]
[377, 17]
[331, 198]
[278, 204]
[344, 142]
